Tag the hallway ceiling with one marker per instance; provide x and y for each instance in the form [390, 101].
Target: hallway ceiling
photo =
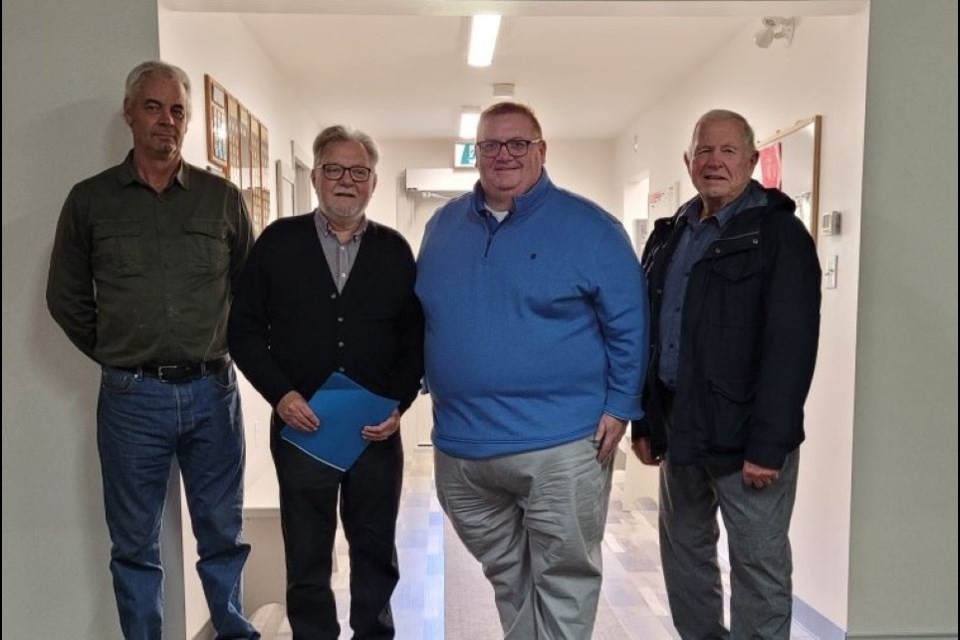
[398, 69]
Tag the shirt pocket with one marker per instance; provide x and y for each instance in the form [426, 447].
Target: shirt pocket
[207, 249]
[117, 248]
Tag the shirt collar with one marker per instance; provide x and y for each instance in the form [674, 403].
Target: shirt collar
[323, 225]
[129, 175]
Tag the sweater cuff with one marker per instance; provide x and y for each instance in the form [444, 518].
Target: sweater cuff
[622, 405]
[769, 456]
[276, 393]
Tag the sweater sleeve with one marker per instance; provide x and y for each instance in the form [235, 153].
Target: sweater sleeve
[621, 307]
[248, 329]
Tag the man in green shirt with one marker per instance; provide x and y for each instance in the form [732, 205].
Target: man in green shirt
[140, 280]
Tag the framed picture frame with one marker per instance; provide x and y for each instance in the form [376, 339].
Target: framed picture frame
[793, 157]
[216, 119]
[233, 139]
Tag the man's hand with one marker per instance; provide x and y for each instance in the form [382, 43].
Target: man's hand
[641, 447]
[609, 432]
[383, 430]
[295, 411]
[759, 477]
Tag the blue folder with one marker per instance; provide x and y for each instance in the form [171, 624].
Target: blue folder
[344, 408]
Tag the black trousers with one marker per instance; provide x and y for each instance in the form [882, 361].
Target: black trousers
[369, 496]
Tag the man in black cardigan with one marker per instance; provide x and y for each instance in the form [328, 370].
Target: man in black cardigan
[323, 292]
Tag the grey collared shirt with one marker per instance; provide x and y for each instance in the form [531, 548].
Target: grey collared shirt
[697, 236]
[340, 257]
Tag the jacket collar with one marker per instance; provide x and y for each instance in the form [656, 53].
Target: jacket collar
[756, 197]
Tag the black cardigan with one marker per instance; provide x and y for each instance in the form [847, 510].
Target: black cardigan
[290, 329]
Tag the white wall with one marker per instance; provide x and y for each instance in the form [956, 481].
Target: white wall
[823, 72]
[220, 45]
[64, 66]
[903, 563]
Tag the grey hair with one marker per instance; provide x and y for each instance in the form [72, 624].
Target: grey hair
[723, 114]
[339, 133]
[144, 70]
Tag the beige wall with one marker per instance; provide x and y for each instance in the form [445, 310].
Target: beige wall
[903, 558]
[823, 72]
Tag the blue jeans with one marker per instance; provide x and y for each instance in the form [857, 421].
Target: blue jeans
[142, 423]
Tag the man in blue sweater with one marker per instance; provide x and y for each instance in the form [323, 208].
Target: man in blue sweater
[535, 354]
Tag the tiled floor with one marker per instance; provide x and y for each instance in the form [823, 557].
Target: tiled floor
[427, 606]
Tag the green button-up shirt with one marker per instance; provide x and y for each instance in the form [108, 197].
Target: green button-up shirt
[143, 278]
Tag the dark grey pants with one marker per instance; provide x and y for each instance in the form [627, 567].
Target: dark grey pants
[757, 523]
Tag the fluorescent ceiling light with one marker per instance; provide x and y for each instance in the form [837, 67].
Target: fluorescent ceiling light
[483, 38]
[469, 119]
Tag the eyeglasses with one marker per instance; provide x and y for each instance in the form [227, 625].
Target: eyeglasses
[335, 172]
[516, 148]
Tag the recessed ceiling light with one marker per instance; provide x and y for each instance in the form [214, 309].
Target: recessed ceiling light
[483, 39]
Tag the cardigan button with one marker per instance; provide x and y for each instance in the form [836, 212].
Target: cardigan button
[340, 319]
[341, 369]
[340, 344]
[333, 296]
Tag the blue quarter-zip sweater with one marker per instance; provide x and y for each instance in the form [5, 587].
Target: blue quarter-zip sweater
[534, 327]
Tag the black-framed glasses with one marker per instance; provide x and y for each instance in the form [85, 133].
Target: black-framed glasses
[516, 148]
[335, 172]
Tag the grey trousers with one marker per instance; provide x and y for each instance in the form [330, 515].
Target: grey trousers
[757, 523]
[535, 522]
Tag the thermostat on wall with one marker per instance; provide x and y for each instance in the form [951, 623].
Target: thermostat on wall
[830, 223]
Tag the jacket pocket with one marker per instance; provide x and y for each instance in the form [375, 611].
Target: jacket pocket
[117, 247]
[736, 289]
[731, 406]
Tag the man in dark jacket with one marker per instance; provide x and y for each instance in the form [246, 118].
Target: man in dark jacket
[324, 292]
[734, 286]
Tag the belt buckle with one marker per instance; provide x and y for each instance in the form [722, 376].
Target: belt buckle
[160, 369]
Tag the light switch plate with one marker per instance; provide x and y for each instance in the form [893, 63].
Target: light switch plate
[830, 272]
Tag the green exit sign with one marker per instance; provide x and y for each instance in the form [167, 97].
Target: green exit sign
[464, 155]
